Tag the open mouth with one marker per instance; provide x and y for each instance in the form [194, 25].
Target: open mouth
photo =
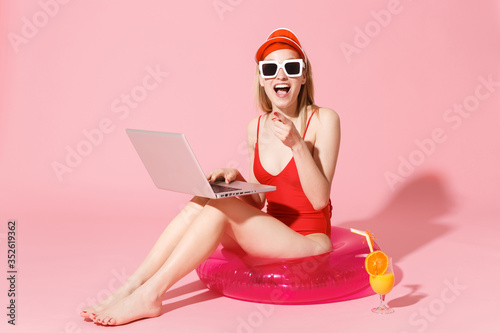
[282, 89]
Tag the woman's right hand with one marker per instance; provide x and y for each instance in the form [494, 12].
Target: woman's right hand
[226, 174]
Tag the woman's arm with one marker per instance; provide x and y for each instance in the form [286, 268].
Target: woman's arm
[315, 170]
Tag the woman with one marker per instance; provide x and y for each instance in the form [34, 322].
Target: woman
[293, 146]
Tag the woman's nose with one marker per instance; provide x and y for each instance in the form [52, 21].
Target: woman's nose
[281, 74]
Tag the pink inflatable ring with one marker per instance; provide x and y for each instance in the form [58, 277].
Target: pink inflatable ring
[335, 276]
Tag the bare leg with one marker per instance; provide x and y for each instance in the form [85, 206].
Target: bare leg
[256, 232]
[156, 257]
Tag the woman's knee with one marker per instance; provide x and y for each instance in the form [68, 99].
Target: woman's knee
[322, 243]
[230, 244]
[200, 201]
[223, 205]
[196, 205]
[192, 209]
[214, 209]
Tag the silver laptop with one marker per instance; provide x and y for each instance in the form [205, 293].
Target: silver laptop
[171, 163]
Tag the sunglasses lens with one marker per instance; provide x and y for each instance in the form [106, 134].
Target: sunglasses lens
[269, 69]
[292, 68]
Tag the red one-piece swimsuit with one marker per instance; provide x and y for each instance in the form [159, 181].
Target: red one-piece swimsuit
[289, 203]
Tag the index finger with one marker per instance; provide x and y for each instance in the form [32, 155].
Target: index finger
[280, 116]
[212, 176]
[209, 177]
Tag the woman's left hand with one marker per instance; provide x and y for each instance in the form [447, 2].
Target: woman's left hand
[227, 174]
[285, 130]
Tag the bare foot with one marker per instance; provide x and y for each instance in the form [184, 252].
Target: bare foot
[133, 307]
[127, 289]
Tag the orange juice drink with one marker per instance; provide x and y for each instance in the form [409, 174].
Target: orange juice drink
[382, 284]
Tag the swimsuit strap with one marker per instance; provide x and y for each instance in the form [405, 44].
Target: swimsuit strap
[307, 126]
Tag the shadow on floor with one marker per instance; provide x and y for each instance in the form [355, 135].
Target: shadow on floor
[409, 220]
[184, 290]
[412, 297]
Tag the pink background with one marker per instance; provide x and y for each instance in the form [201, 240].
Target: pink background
[395, 71]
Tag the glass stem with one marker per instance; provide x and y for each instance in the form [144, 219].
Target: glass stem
[382, 301]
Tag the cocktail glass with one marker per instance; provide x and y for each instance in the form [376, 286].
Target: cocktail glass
[382, 285]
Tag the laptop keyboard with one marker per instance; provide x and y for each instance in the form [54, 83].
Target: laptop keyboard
[220, 188]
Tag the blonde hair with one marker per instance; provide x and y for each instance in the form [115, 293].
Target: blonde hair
[305, 97]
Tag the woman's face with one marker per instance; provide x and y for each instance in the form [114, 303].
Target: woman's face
[283, 90]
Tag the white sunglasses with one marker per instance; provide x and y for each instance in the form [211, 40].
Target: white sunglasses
[269, 68]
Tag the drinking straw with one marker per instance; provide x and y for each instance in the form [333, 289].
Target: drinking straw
[364, 233]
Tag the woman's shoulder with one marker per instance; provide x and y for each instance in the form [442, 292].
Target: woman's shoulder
[326, 117]
[253, 124]
[329, 114]
[252, 127]
[326, 127]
